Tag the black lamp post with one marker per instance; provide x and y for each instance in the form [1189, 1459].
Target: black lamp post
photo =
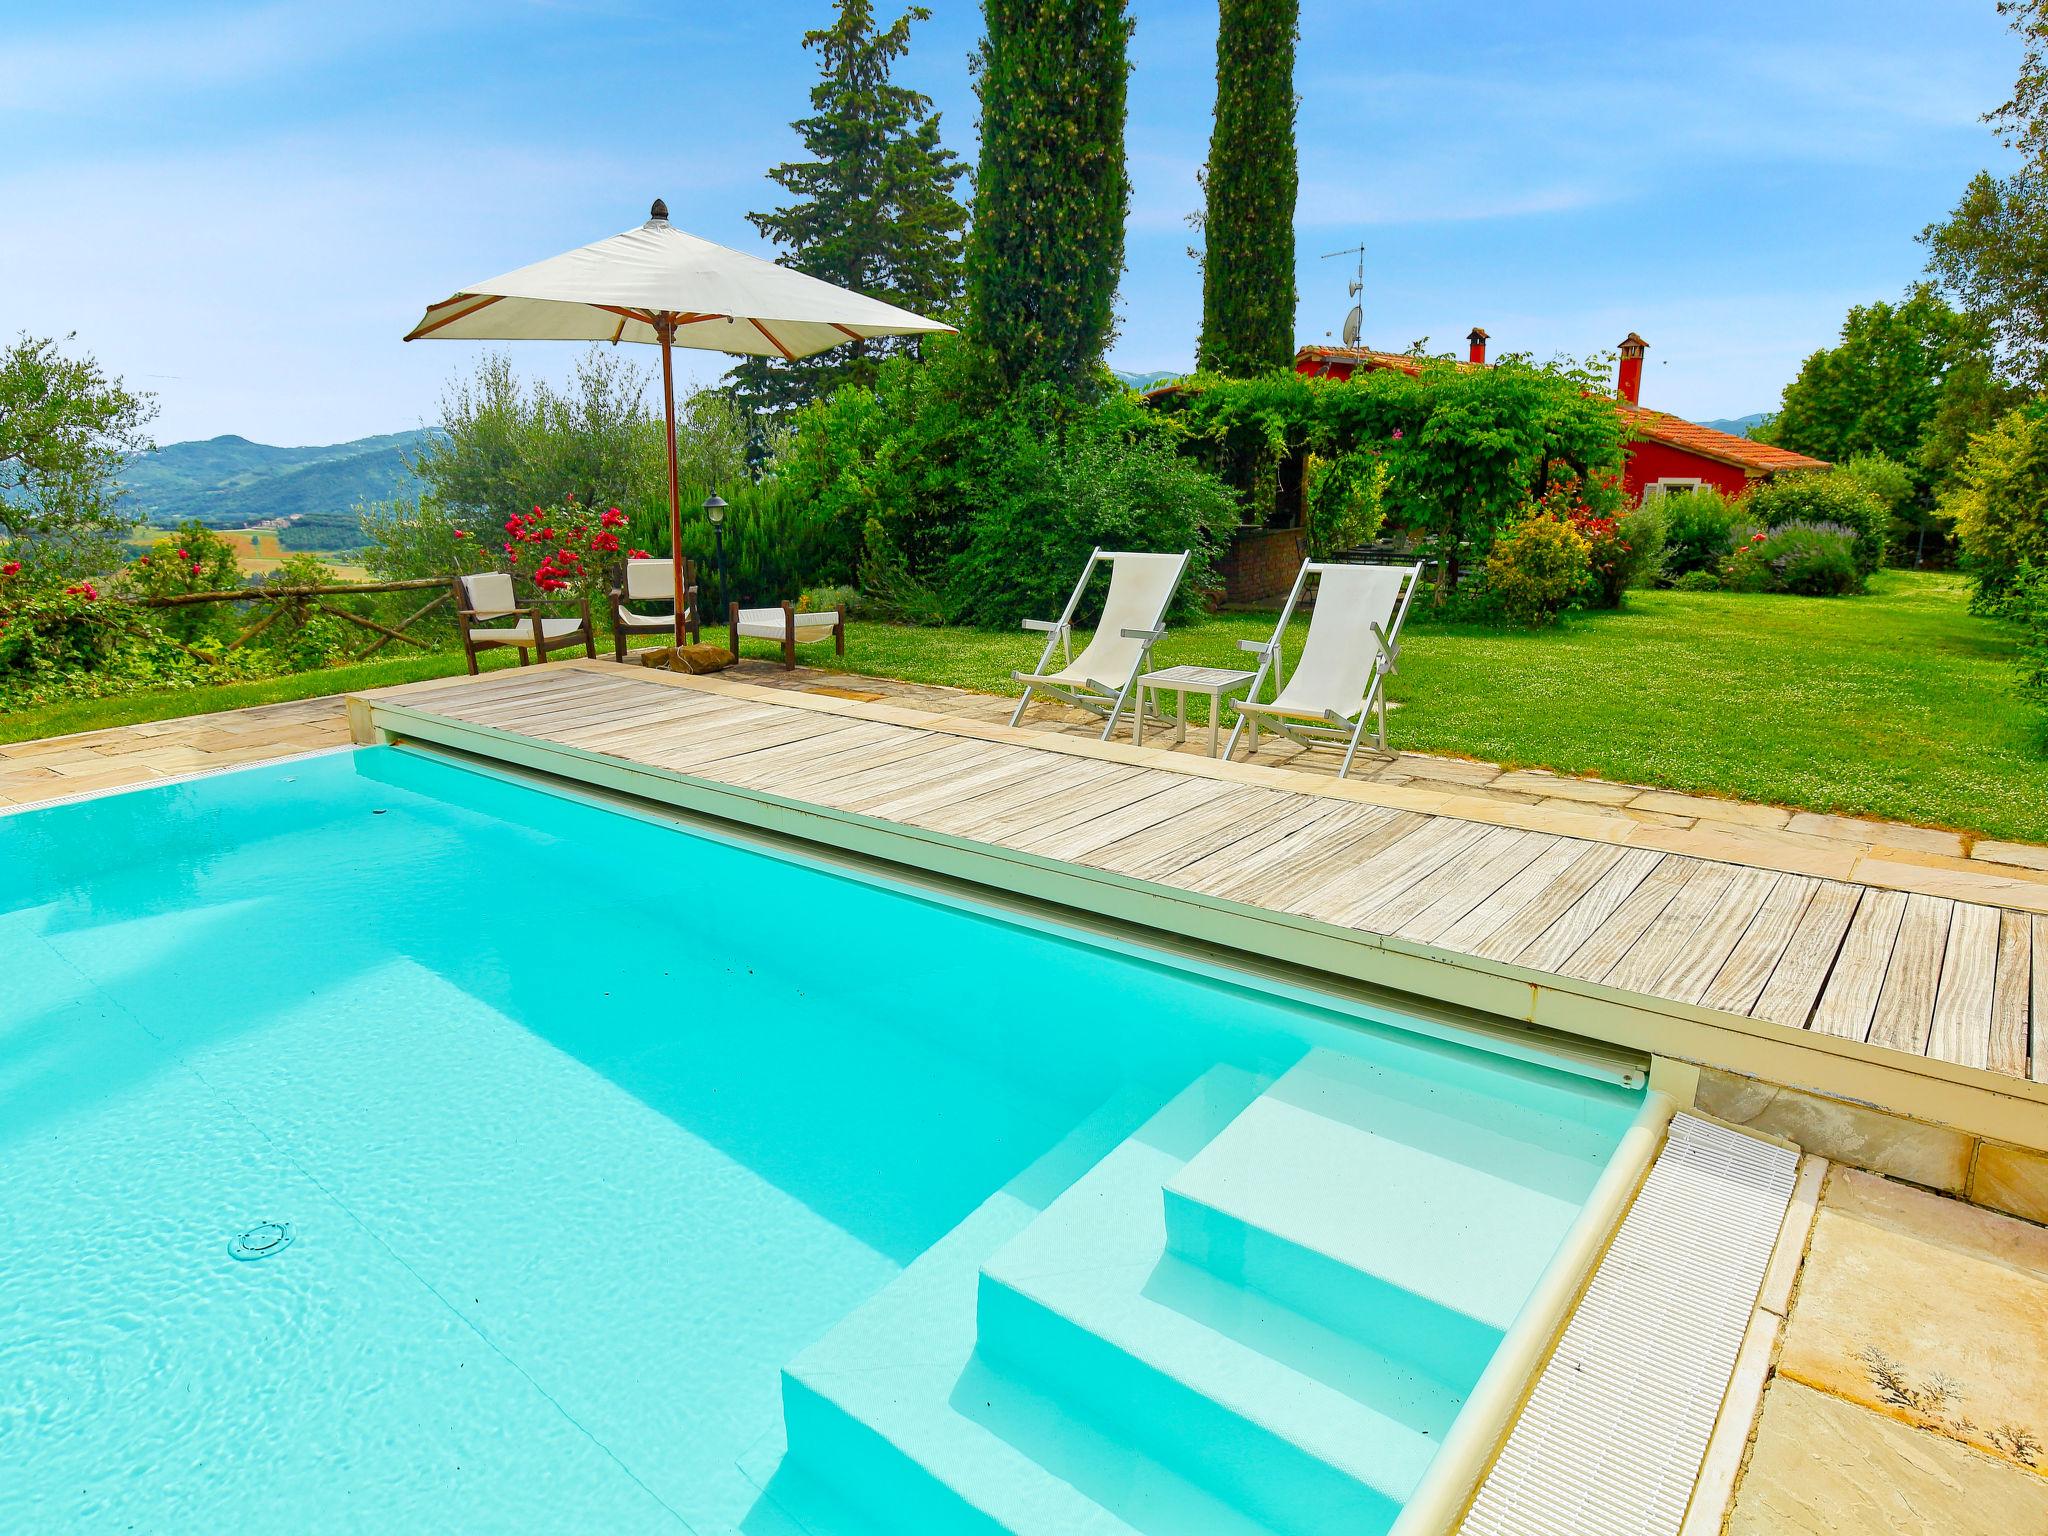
[714, 508]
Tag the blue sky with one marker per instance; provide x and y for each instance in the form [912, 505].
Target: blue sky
[243, 206]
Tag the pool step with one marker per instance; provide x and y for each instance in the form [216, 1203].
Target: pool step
[1256, 1313]
[1412, 1216]
[1271, 1412]
[895, 1412]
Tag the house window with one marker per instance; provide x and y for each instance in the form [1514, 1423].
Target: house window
[1674, 487]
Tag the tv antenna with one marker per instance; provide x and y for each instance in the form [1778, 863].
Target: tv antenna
[1356, 318]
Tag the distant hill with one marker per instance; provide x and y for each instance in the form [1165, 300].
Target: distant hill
[230, 482]
[1146, 380]
[1739, 425]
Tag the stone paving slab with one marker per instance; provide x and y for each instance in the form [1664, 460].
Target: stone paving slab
[1930, 1312]
[1824, 1467]
[127, 755]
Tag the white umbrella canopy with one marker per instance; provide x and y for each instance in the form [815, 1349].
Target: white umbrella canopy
[657, 284]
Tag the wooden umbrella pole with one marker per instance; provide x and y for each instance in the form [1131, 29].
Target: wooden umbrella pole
[666, 328]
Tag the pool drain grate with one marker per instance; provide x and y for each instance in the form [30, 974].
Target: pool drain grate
[261, 1240]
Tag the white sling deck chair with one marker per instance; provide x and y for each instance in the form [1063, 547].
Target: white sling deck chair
[1141, 587]
[1353, 640]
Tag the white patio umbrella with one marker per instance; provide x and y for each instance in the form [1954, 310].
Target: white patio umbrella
[657, 284]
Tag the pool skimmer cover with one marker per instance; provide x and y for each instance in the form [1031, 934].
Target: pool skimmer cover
[261, 1240]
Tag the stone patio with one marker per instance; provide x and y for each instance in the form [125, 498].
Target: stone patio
[1910, 1389]
[127, 755]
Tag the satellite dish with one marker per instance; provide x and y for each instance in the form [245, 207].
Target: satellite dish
[1352, 322]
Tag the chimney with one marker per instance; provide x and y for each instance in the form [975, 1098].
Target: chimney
[1628, 382]
[1477, 338]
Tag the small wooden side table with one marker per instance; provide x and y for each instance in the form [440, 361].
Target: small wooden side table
[1216, 682]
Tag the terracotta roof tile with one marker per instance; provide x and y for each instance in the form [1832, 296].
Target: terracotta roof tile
[1676, 431]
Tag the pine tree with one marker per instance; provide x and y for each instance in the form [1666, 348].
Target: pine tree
[1051, 192]
[1251, 179]
[874, 206]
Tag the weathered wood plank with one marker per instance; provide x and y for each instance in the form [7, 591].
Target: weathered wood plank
[1905, 1008]
[2037, 1015]
[1026, 830]
[985, 775]
[809, 780]
[1961, 1028]
[1163, 851]
[1684, 968]
[1025, 803]
[952, 761]
[1559, 940]
[1795, 981]
[1310, 868]
[773, 765]
[1740, 980]
[2007, 1049]
[1464, 881]
[1386, 874]
[1503, 927]
[1553, 862]
[1237, 865]
[1483, 884]
[1848, 997]
[1605, 946]
[1182, 798]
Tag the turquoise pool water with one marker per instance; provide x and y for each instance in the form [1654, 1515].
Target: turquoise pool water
[608, 1150]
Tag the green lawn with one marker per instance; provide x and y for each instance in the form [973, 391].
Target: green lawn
[1899, 703]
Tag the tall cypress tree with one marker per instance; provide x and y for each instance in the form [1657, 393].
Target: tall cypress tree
[1248, 260]
[1051, 191]
[874, 208]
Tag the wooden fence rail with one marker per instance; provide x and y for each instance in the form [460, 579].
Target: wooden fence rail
[277, 602]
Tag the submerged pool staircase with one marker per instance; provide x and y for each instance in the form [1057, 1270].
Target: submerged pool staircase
[1253, 1311]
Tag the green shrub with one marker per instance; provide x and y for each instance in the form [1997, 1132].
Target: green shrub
[1810, 559]
[1999, 502]
[2026, 604]
[1697, 581]
[1698, 530]
[1833, 496]
[191, 558]
[1536, 568]
[1095, 490]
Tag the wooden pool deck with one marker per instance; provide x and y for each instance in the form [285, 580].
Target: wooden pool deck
[1890, 989]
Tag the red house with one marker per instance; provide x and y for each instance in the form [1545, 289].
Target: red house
[1665, 452]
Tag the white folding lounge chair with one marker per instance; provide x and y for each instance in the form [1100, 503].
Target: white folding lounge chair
[652, 581]
[1353, 640]
[1133, 618]
[491, 595]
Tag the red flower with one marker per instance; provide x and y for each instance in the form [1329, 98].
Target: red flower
[460, 534]
[1756, 538]
[638, 554]
[1397, 434]
[546, 533]
[11, 568]
[84, 589]
[608, 542]
[613, 518]
[183, 556]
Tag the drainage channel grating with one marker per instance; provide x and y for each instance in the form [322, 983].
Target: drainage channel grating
[1611, 1439]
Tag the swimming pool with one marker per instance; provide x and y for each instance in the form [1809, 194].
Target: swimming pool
[641, 1180]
